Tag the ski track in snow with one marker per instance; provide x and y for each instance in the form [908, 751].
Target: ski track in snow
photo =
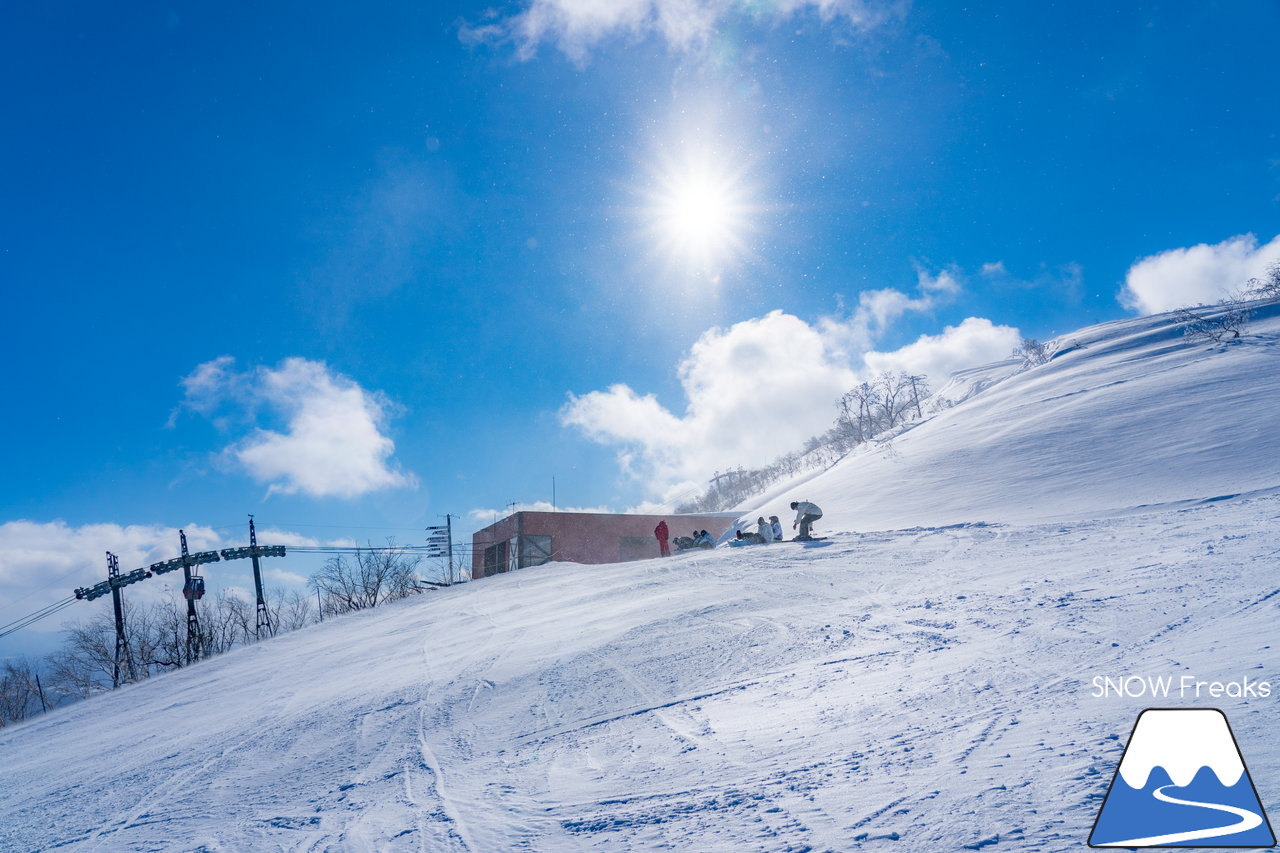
[902, 689]
[923, 684]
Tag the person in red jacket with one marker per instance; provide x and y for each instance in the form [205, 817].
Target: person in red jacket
[661, 533]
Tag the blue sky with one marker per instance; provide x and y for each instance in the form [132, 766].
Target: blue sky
[351, 269]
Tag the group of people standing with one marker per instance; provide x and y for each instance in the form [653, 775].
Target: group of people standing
[766, 531]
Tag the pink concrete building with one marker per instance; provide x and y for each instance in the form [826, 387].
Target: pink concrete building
[533, 538]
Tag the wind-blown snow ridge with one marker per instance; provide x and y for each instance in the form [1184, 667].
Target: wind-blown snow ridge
[1125, 414]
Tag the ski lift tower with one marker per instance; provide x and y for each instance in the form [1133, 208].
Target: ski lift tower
[253, 552]
[193, 591]
[122, 638]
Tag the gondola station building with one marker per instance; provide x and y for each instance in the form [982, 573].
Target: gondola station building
[527, 538]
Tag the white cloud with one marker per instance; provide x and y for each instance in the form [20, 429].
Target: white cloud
[1198, 275]
[576, 26]
[975, 341]
[276, 536]
[483, 517]
[42, 562]
[208, 383]
[877, 310]
[755, 391]
[762, 387]
[284, 577]
[333, 442]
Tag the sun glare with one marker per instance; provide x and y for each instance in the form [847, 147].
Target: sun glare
[699, 214]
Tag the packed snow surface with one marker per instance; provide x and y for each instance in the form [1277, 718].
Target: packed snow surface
[924, 680]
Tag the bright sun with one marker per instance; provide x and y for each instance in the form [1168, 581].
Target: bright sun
[700, 214]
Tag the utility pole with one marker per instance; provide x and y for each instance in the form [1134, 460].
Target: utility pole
[189, 590]
[44, 706]
[122, 639]
[264, 615]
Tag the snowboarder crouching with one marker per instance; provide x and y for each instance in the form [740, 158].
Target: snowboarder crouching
[806, 514]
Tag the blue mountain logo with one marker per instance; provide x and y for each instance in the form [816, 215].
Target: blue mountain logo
[1182, 783]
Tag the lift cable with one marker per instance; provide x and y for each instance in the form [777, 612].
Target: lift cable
[32, 618]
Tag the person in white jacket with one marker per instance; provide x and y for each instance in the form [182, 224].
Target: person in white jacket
[806, 514]
[777, 528]
[764, 530]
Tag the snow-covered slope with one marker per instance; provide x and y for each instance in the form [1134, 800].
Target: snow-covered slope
[915, 686]
[1126, 414]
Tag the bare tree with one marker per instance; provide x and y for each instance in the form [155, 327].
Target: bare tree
[857, 417]
[1032, 352]
[291, 612]
[372, 577]
[919, 390]
[1267, 286]
[1223, 322]
[20, 691]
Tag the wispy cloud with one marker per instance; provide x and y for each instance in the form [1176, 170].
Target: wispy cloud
[483, 517]
[382, 237]
[1197, 275]
[332, 443]
[575, 27]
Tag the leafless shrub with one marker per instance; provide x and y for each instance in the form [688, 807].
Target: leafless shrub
[1032, 352]
[370, 578]
[1224, 322]
[1267, 286]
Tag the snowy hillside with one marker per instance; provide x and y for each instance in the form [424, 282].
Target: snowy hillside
[923, 681]
[1126, 414]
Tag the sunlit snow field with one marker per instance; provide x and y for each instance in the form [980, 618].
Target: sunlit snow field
[922, 681]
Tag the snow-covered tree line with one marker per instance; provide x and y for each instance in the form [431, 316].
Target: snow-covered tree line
[865, 412]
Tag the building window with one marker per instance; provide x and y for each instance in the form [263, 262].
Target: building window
[495, 559]
[535, 549]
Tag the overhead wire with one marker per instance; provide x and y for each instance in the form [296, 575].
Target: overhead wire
[32, 618]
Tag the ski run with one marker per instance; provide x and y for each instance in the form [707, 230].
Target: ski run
[927, 681]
